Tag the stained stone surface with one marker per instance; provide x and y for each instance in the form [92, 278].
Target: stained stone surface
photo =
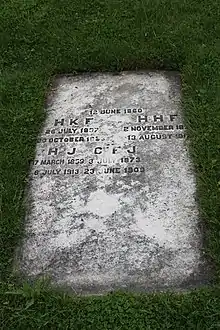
[111, 202]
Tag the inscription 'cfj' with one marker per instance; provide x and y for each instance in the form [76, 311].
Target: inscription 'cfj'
[96, 151]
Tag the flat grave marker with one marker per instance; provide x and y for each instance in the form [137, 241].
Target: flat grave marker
[111, 202]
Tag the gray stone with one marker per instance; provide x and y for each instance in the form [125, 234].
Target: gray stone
[112, 199]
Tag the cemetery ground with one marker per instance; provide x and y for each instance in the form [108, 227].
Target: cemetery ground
[40, 39]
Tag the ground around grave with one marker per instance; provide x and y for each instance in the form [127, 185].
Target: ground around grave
[42, 38]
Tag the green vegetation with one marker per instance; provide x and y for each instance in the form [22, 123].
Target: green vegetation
[41, 38]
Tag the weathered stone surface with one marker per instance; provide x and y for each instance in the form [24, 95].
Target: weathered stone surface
[112, 202]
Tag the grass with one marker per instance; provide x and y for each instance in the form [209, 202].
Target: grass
[42, 309]
[41, 38]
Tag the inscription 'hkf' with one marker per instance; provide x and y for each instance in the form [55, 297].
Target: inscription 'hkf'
[140, 119]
